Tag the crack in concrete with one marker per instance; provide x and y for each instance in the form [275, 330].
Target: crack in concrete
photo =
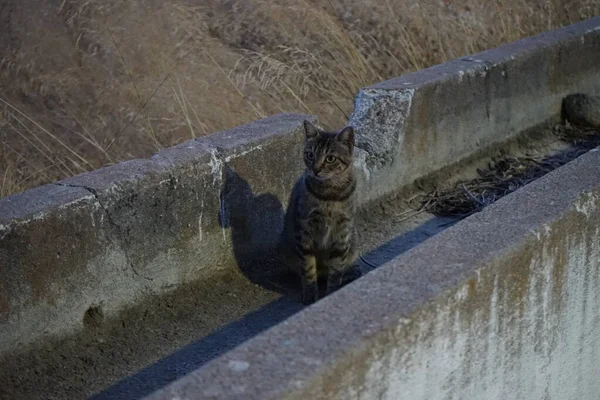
[111, 222]
[218, 163]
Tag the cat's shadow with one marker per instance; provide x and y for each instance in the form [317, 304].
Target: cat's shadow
[256, 222]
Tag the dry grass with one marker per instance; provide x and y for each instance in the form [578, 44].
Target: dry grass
[505, 175]
[86, 83]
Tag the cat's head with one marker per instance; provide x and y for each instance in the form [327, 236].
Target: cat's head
[327, 154]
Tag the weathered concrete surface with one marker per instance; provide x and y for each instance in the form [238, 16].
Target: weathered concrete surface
[582, 109]
[165, 337]
[111, 237]
[502, 305]
[28, 222]
[421, 122]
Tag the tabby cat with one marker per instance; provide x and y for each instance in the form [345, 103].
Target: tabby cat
[318, 237]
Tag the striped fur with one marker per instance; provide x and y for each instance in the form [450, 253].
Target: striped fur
[318, 235]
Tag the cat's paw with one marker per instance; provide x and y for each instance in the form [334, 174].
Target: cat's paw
[352, 274]
[310, 294]
[334, 282]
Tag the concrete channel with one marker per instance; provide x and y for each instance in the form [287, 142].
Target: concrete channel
[157, 277]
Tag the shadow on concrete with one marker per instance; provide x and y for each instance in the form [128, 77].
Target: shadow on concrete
[402, 243]
[256, 222]
[194, 355]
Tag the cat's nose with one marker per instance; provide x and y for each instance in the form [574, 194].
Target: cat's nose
[316, 170]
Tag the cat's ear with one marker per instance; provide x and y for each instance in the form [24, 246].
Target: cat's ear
[310, 130]
[346, 135]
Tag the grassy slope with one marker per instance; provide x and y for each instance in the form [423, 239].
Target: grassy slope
[88, 83]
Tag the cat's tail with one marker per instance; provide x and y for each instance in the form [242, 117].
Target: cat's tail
[366, 262]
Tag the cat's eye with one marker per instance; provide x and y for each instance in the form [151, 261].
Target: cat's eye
[309, 155]
[330, 159]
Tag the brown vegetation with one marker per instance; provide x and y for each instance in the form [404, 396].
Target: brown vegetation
[506, 174]
[87, 83]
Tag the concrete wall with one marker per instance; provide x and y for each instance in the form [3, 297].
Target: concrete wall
[421, 122]
[504, 305]
[113, 236]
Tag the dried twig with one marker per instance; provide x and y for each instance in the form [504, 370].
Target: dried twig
[506, 175]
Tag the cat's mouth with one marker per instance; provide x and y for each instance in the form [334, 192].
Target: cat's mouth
[320, 176]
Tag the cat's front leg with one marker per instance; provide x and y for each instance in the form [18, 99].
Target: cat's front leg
[310, 287]
[308, 267]
[341, 265]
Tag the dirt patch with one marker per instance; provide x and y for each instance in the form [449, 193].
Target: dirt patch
[106, 351]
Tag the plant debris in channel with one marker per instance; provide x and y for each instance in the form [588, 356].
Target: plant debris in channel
[505, 175]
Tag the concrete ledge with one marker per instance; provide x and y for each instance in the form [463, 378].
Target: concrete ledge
[109, 237]
[28, 222]
[502, 305]
[422, 122]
